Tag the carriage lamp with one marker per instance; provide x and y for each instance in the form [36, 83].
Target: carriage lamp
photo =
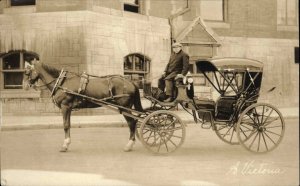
[190, 80]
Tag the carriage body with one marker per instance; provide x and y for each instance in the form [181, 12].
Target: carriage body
[238, 83]
[235, 116]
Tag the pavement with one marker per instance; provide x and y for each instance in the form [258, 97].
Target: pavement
[113, 120]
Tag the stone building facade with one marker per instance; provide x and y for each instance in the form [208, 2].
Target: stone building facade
[133, 38]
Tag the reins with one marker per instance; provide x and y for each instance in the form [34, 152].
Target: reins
[44, 85]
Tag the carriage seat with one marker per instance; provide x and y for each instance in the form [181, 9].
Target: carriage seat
[203, 103]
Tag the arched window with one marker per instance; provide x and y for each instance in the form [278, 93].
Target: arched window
[13, 67]
[136, 68]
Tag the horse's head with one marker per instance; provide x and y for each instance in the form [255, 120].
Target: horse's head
[31, 76]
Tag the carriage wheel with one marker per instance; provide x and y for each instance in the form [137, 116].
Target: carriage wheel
[148, 110]
[162, 132]
[227, 132]
[260, 128]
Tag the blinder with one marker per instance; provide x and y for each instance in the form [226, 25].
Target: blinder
[32, 75]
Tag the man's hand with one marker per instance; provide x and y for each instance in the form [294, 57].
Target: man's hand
[179, 76]
[163, 74]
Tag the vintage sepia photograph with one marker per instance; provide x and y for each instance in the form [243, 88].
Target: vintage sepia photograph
[149, 92]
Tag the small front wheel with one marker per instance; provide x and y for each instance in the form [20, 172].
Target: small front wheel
[162, 132]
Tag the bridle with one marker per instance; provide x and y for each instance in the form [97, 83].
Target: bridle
[28, 72]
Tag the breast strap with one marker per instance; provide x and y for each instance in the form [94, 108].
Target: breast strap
[84, 79]
[59, 81]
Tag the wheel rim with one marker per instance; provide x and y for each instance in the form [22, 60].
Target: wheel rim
[261, 128]
[227, 133]
[162, 132]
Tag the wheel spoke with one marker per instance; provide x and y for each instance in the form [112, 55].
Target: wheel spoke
[146, 131]
[174, 129]
[264, 141]
[253, 140]
[246, 127]
[268, 116]
[164, 140]
[173, 142]
[221, 128]
[227, 132]
[274, 127]
[176, 136]
[257, 116]
[258, 141]
[150, 136]
[262, 115]
[272, 132]
[270, 121]
[231, 135]
[269, 138]
[159, 145]
[244, 132]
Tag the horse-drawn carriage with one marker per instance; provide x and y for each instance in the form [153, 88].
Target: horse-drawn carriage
[236, 116]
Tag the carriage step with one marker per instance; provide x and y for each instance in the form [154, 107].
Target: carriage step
[206, 125]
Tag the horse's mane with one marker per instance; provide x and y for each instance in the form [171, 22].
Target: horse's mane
[51, 70]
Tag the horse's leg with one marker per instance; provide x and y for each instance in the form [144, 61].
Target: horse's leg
[66, 111]
[131, 124]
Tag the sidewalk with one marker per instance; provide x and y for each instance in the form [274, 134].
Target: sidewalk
[117, 120]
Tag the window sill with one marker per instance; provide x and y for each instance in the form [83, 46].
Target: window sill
[287, 28]
[19, 93]
[20, 9]
[214, 24]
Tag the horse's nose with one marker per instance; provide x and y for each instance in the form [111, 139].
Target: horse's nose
[26, 85]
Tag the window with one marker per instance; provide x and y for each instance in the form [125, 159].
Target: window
[136, 68]
[12, 68]
[234, 79]
[198, 77]
[131, 6]
[22, 2]
[212, 10]
[287, 12]
[296, 52]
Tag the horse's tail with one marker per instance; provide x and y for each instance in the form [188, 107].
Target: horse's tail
[137, 100]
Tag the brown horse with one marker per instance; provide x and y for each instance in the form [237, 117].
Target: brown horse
[115, 88]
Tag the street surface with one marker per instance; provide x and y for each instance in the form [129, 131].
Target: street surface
[96, 157]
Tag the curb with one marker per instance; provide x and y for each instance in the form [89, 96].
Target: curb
[120, 123]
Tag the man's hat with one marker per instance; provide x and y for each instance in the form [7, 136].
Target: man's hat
[176, 45]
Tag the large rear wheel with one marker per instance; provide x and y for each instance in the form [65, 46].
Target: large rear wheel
[162, 132]
[260, 128]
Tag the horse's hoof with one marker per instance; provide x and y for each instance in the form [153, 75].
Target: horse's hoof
[129, 146]
[127, 149]
[63, 149]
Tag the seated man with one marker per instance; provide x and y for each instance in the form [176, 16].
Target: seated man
[178, 66]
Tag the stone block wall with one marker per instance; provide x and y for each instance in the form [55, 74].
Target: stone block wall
[93, 41]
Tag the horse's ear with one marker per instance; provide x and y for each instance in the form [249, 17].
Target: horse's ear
[28, 65]
[34, 61]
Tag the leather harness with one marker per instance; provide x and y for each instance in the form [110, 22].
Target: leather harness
[84, 79]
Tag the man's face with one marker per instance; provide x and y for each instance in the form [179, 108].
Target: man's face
[176, 49]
